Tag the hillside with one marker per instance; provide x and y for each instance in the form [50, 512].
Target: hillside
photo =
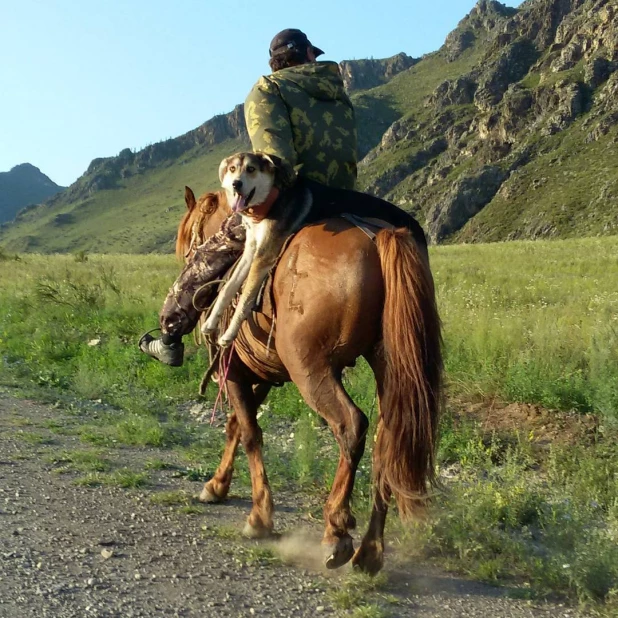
[507, 131]
[22, 186]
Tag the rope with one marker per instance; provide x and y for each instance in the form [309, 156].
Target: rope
[270, 336]
[209, 372]
[152, 330]
[222, 383]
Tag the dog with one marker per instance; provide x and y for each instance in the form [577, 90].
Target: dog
[274, 204]
[254, 183]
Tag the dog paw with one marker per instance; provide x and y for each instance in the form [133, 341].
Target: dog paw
[225, 341]
[209, 326]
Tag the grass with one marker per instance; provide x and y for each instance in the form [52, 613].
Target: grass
[543, 526]
[523, 322]
[362, 596]
[79, 460]
[125, 478]
[35, 438]
[532, 322]
[140, 215]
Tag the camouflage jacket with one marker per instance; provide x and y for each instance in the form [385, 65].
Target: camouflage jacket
[303, 114]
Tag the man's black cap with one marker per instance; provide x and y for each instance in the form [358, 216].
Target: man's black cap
[292, 38]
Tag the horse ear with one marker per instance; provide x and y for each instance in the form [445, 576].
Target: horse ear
[222, 169]
[189, 199]
[285, 176]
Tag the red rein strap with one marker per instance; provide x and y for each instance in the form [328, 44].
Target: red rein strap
[222, 383]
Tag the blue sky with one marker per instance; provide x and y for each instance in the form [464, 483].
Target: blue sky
[80, 79]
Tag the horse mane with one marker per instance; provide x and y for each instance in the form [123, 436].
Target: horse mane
[206, 205]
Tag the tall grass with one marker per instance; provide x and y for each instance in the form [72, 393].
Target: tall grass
[533, 322]
[74, 325]
[530, 322]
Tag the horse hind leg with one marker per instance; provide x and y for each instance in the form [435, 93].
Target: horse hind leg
[369, 557]
[324, 393]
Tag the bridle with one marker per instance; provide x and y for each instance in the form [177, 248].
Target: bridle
[197, 234]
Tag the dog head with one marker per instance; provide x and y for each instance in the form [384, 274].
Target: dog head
[248, 178]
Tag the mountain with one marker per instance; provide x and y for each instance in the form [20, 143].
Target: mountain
[507, 131]
[22, 186]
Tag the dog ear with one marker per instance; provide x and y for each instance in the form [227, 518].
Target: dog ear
[223, 169]
[285, 175]
[189, 199]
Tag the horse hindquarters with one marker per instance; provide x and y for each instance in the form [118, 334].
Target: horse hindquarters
[412, 372]
[329, 296]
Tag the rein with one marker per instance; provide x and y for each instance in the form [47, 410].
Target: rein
[224, 369]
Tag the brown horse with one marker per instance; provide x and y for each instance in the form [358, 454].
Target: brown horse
[338, 296]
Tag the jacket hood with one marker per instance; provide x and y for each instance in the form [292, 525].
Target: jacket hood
[320, 80]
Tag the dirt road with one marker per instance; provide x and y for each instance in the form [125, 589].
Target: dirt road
[68, 550]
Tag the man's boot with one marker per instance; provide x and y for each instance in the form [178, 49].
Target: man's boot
[170, 353]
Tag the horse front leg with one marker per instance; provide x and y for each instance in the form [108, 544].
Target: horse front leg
[245, 402]
[217, 488]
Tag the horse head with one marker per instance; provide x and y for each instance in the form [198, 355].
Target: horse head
[202, 219]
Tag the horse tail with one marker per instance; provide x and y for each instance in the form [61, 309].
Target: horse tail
[410, 396]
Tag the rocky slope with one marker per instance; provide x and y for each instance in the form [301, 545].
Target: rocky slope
[525, 140]
[23, 185]
[508, 131]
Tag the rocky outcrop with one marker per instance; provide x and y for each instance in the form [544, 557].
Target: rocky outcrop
[546, 66]
[510, 65]
[464, 199]
[366, 74]
[417, 160]
[105, 173]
[485, 17]
[458, 91]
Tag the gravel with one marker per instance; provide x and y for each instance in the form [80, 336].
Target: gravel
[69, 551]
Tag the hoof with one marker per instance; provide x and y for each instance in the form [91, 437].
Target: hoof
[208, 497]
[369, 559]
[338, 554]
[255, 532]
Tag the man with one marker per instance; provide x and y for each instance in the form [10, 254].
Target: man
[300, 113]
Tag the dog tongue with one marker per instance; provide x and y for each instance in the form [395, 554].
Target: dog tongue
[239, 203]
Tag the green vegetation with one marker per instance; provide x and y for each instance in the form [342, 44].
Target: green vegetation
[125, 478]
[362, 596]
[523, 322]
[139, 216]
[544, 525]
[533, 322]
[81, 461]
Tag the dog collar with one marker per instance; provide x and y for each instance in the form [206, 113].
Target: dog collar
[259, 211]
